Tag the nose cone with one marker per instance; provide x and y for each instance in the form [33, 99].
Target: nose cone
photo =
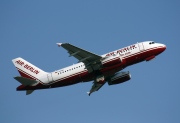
[163, 47]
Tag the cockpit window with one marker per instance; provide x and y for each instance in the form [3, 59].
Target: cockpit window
[151, 42]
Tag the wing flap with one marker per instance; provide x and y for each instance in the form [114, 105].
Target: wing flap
[29, 92]
[95, 87]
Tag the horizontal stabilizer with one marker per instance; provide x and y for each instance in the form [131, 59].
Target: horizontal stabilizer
[25, 81]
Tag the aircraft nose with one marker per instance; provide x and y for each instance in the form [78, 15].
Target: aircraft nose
[164, 47]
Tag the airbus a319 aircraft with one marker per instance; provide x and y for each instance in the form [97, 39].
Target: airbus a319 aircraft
[90, 67]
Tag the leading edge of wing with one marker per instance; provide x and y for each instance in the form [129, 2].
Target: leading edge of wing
[79, 53]
[66, 45]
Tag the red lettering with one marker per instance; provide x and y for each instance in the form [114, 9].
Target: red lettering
[36, 71]
[26, 66]
[108, 55]
[124, 49]
[133, 46]
[119, 51]
[112, 53]
[20, 62]
[31, 69]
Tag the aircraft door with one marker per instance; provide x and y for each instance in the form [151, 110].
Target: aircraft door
[141, 46]
[49, 76]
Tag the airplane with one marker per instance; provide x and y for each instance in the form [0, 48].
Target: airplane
[100, 69]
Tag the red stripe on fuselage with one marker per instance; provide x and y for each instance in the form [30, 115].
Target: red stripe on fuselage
[85, 76]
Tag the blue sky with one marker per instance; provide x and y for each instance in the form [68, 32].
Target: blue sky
[30, 29]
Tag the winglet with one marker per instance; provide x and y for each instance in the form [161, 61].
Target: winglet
[59, 44]
[89, 93]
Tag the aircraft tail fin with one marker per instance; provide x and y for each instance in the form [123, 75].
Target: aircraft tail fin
[30, 74]
[27, 70]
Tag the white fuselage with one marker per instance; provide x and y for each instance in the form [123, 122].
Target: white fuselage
[79, 68]
[105, 68]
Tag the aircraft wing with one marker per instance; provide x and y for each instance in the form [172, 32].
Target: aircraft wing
[96, 86]
[82, 55]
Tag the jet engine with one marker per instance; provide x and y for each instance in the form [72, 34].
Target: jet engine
[119, 78]
[111, 60]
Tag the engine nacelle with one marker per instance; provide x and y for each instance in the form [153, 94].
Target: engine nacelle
[119, 78]
[111, 60]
